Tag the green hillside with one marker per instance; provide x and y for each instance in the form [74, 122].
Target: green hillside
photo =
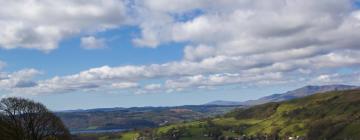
[138, 117]
[332, 115]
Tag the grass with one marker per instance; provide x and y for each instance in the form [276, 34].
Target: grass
[129, 136]
[164, 129]
[234, 122]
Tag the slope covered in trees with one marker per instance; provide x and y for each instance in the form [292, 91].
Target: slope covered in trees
[138, 117]
[331, 115]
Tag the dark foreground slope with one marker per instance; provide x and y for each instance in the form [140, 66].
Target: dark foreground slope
[332, 115]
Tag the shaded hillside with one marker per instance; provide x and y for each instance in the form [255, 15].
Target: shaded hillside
[137, 117]
[297, 93]
[331, 115]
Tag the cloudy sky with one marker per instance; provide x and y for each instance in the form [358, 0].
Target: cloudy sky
[72, 54]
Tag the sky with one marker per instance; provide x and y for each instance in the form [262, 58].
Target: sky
[81, 54]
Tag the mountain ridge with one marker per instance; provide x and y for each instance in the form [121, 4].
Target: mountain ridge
[293, 94]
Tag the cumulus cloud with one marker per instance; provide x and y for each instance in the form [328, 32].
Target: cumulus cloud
[19, 79]
[152, 87]
[199, 81]
[197, 53]
[227, 42]
[42, 24]
[335, 78]
[125, 85]
[91, 43]
[211, 72]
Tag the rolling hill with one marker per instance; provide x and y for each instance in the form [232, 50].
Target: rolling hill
[331, 115]
[137, 117]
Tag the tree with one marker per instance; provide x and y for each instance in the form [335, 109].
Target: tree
[22, 119]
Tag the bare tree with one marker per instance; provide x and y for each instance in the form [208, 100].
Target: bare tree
[22, 119]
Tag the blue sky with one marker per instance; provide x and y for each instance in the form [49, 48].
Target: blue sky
[70, 58]
[123, 53]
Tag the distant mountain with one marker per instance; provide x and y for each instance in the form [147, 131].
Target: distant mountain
[220, 102]
[297, 93]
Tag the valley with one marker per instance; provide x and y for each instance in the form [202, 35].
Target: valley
[297, 117]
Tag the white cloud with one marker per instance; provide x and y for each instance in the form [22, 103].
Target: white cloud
[325, 78]
[185, 74]
[199, 81]
[124, 85]
[335, 78]
[173, 6]
[233, 20]
[152, 87]
[356, 14]
[228, 42]
[42, 24]
[91, 43]
[198, 53]
[18, 79]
